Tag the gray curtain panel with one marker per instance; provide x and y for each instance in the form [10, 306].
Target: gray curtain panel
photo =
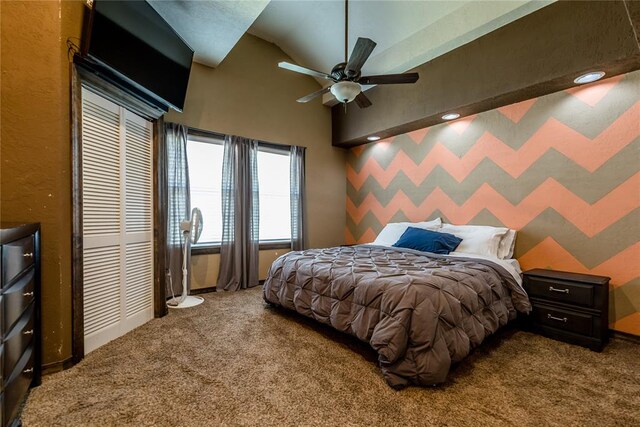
[298, 210]
[178, 203]
[239, 248]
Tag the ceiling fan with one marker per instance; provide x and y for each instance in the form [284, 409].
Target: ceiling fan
[346, 76]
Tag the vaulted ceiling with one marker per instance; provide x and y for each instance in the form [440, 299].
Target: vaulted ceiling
[408, 33]
[311, 32]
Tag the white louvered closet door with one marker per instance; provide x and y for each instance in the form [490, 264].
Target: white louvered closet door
[117, 188]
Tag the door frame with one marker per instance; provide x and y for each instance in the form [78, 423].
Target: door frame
[82, 77]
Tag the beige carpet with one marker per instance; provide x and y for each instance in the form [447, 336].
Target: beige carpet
[233, 361]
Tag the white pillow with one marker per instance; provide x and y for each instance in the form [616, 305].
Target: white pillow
[477, 239]
[392, 231]
[507, 245]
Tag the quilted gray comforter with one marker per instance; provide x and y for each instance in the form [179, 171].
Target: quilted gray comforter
[420, 311]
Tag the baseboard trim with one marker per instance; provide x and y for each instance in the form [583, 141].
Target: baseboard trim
[625, 336]
[52, 368]
[203, 290]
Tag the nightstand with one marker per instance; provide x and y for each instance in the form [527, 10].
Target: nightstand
[569, 307]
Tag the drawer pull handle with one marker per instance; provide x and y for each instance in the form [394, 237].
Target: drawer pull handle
[28, 255]
[29, 332]
[28, 294]
[559, 319]
[562, 291]
[27, 371]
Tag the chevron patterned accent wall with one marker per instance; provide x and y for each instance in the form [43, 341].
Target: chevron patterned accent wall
[562, 169]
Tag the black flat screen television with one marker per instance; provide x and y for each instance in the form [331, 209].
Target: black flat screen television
[132, 40]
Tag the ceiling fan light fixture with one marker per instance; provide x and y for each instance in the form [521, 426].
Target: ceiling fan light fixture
[346, 91]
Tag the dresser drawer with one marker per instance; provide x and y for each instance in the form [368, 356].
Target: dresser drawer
[17, 340]
[16, 298]
[16, 257]
[560, 290]
[562, 319]
[15, 390]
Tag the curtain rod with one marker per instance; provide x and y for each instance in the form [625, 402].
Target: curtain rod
[202, 132]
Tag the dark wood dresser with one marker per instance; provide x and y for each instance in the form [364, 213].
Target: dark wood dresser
[570, 307]
[20, 355]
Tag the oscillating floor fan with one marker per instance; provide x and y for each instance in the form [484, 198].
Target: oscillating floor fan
[191, 231]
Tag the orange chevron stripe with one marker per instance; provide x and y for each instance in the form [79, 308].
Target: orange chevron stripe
[590, 219]
[418, 135]
[590, 154]
[358, 150]
[629, 324]
[367, 237]
[348, 237]
[593, 93]
[459, 126]
[622, 267]
[515, 112]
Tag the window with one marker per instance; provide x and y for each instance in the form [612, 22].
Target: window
[274, 188]
[204, 155]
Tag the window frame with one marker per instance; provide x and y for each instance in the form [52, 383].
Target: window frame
[214, 247]
[206, 138]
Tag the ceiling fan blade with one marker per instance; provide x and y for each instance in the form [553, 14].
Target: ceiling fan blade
[362, 100]
[314, 94]
[389, 79]
[303, 70]
[359, 55]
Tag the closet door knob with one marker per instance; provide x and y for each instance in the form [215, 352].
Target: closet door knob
[28, 294]
[28, 255]
[29, 332]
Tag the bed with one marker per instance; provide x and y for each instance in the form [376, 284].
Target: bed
[419, 311]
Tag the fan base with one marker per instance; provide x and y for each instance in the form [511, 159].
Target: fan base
[189, 301]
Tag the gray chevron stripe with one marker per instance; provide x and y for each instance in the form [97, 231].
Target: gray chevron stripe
[590, 187]
[587, 120]
[624, 300]
[591, 252]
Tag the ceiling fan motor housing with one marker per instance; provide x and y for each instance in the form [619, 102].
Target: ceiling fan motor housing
[339, 72]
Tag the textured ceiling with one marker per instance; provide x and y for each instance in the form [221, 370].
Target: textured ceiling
[311, 32]
[408, 33]
[211, 28]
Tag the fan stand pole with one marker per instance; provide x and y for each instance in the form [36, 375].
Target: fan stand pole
[185, 300]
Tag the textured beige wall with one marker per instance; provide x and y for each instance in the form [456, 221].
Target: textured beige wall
[204, 272]
[248, 95]
[35, 151]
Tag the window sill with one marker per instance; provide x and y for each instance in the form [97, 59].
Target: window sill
[264, 246]
[205, 249]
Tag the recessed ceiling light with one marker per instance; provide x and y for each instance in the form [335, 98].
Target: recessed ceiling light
[373, 138]
[451, 116]
[589, 77]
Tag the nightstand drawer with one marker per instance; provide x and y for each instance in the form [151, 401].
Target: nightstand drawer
[566, 320]
[560, 290]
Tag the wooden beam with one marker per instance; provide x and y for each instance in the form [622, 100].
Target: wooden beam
[535, 55]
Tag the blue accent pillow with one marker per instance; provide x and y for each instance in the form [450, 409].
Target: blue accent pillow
[428, 241]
